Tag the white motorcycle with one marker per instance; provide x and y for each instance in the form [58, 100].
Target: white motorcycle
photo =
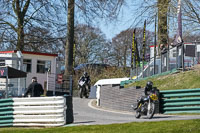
[83, 89]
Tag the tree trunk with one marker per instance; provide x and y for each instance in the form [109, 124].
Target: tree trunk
[125, 50]
[20, 12]
[20, 35]
[162, 22]
[69, 58]
[70, 39]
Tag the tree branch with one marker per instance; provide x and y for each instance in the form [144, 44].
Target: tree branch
[11, 25]
[25, 7]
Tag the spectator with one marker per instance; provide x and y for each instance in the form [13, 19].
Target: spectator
[35, 89]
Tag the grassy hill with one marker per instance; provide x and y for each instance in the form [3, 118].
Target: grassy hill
[182, 80]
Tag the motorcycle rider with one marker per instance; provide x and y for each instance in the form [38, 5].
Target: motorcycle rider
[87, 80]
[147, 91]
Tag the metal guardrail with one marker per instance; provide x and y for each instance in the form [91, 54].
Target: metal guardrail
[34, 111]
[180, 101]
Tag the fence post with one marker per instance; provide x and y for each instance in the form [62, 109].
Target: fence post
[176, 57]
[168, 60]
[161, 62]
[71, 85]
[7, 86]
[183, 59]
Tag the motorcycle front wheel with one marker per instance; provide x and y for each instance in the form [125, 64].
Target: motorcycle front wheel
[137, 114]
[151, 110]
[86, 92]
[81, 92]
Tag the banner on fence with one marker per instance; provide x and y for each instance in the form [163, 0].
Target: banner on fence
[178, 38]
[190, 50]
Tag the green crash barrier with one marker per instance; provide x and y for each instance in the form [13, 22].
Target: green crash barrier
[181, 95]
[6, 125]
[180, 101]
[181, 90]
[6, 112]
[182, 108]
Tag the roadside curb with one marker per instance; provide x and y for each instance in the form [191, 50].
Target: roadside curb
[108, 110]
[116, 111]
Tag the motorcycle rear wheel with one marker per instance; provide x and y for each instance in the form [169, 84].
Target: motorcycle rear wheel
[151, 110]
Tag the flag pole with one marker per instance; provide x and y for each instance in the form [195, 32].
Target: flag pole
[155, 42]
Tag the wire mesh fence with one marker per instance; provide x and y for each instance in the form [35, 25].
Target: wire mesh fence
[170, 59]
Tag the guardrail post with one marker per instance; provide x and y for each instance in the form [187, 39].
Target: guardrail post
[69, 110]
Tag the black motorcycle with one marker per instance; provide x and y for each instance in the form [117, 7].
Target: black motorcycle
[83, 89]
[147, 106]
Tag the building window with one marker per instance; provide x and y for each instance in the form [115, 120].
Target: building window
[174, 53]
[48, 66]
[2, 62]
[27, 65]
[43, 66]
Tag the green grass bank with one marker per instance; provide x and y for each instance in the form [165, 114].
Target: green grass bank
[180, 126]
[182, 80]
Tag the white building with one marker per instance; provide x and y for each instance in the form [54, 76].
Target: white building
[35, 64]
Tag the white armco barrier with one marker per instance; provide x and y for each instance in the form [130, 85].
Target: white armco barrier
[102, 82]
[38, 111]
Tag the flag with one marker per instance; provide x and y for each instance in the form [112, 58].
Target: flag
[133, 51]
[178, 38]
[144, 41]
[137, 57]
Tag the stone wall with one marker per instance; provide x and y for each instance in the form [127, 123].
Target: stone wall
[116, 98]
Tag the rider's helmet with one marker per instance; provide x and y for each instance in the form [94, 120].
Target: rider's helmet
[85, 74]
[149, 84]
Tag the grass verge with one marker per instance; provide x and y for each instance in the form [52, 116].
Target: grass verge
[182, 80]
[177, 126]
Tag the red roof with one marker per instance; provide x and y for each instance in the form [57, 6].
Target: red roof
[28, 52]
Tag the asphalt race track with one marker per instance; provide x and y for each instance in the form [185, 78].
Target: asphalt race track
[86, 114]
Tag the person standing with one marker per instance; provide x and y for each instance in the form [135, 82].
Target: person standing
[35, 89]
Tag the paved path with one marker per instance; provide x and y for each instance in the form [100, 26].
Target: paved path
[84, 114]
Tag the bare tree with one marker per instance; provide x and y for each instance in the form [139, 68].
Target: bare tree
[121, 45]
[148, 10]
[41, 39]
[17, 15]
[90, 10]
[90, 43]
[162, 22]
[191, 17]
[70, 39]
